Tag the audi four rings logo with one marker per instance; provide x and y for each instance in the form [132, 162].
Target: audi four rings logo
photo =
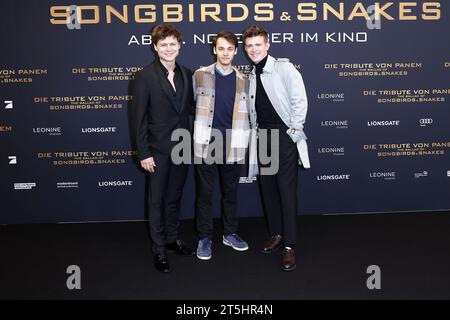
[425, 121]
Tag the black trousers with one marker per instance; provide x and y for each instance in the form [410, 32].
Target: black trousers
[279, 191]
[165, 191]
[229, 178]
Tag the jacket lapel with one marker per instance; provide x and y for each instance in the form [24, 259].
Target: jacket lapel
[168, 91]
[185, 88]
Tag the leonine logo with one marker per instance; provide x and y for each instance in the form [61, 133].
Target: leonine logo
[336, 151]
[337, 97]
[383, 175]
[338, 124]
[51, 131]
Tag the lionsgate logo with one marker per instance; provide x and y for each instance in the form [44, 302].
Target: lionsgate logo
[335, 151]
[425, 122]
[383, 123]
[333, 177]
[383, 175]
[422, 174]
[51, 131]
[67, 185]
[338, 124]
[117, 183]
[335, 97]
[24, 185]
[99, 130]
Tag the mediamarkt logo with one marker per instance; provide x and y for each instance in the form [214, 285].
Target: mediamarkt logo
[118, 183]
[332, 177]
[383, 123]
[24, 185]
[67, 184]
[99, 130]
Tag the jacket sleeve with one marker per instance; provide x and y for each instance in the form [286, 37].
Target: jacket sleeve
[298, 99]
[139, 115]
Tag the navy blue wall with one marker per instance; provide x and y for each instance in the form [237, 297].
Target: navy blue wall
[369, 152]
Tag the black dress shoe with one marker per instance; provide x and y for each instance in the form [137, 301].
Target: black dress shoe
[161, 263]
[180, 248]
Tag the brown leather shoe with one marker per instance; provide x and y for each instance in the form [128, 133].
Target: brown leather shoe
[288, 260]
[273, 244]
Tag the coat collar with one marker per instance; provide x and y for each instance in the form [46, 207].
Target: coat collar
[269, 65]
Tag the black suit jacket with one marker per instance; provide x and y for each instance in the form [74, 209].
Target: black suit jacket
[154, 114]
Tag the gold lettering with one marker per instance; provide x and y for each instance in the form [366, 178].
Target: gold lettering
[122, 16]
[213, 13]
[379, 11]
[231, 6]
[262, 14]
[150, 14]
[191, 12]
[56, 14]
[403, 10]
[5, 128]
[177, 13]
[362, 12]
[94, 20]
[305, 13]
[327, 7]
[431, 11]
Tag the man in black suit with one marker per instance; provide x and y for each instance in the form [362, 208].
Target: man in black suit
[162, 103]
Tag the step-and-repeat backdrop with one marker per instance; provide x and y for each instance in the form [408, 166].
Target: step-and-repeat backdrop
[377, 76]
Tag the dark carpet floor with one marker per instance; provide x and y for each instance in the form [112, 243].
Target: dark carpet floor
[411, 249]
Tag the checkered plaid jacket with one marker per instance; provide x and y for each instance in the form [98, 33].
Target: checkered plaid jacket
[204, 93]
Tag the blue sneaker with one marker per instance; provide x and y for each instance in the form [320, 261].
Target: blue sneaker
[234, 241]
[204, 249]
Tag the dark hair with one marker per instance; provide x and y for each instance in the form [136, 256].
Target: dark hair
[254, 31]
[227, 35]
[162, 31]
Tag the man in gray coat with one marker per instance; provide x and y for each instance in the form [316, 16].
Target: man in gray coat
[278, 107]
